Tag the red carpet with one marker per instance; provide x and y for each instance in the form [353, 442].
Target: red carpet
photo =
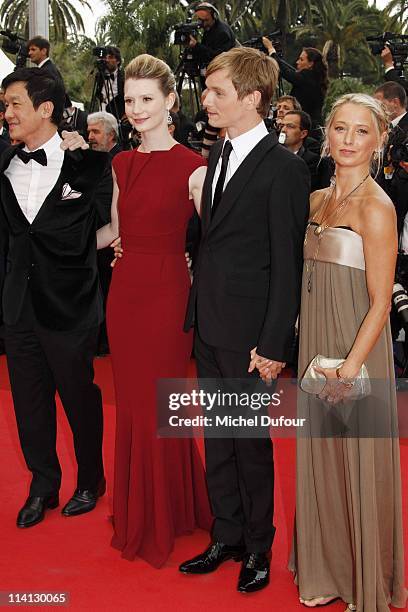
[73, 554]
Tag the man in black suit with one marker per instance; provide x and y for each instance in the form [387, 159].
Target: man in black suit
[217, 37]
[51, 301]
[296, 125]
[245, 295]
[39, 54]
[111, 84]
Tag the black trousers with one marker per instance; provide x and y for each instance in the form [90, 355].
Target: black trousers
[105, 257]
[240, 470]
[41, 362]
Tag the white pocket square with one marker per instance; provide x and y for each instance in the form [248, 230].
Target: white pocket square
[69, 194]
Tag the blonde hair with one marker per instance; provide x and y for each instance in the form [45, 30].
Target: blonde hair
[146, 66]
[379, 115]
[249, 70]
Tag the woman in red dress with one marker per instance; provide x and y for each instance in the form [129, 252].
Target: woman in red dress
[159, 488]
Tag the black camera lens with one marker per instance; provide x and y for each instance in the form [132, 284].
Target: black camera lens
[400, 300]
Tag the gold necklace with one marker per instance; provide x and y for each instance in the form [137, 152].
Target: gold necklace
[321, 227]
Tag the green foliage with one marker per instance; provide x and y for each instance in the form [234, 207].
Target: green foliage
[338, 87]
[65, 18]
[142, 27]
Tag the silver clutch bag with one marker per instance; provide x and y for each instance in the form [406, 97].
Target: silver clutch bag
[313, 382]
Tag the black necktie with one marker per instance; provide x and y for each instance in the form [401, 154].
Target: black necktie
[219, 188]
[39, 156]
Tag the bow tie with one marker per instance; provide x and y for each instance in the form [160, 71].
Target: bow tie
[39, 156]
[110, 76]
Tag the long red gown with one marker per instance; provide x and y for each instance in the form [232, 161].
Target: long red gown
[159, 489]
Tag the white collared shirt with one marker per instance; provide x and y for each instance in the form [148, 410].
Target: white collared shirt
[32, 182]
[41, 64]
[396, 121]
[241, 147]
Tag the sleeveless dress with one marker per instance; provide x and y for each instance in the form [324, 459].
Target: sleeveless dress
[348, 532]
[159, 483]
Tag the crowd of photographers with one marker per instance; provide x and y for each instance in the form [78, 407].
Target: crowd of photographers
[296, 117]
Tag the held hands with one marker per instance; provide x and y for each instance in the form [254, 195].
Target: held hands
[73, 141]
[117, 250]
[268, 368]
[192, 42]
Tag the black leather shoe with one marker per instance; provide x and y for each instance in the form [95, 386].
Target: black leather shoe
[84, 500]
[34, 509]
[254, 574]
[212, 558]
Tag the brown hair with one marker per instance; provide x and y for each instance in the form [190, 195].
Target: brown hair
[249, 70]
[146, 66]
[295, 102]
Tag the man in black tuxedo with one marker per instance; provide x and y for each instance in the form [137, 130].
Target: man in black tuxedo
[39, 54]
[51, 300]
[245, 295]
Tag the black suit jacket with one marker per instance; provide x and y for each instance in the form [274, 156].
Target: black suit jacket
[394, 75]
[305, 88]
[311, 159]
[55, 256]
[247, 280]
[217, 39]
[51, 68]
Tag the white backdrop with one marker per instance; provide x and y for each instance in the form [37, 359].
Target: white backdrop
[6, 65]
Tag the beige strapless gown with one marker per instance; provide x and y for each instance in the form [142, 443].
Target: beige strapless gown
[348, 534]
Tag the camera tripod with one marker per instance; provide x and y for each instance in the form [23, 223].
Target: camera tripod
[189, 70]
[103, 89]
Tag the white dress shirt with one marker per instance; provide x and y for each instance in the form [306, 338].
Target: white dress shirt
[241, 147]
[32, 182]
[41, 64]
[396, 121]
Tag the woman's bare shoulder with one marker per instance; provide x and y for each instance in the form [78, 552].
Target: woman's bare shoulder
[317, 198]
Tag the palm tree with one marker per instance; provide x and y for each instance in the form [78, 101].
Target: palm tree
[337, 27]
[396, 13]
[65, 18]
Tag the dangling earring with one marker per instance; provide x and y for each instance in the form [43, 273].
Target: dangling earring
[376, 155]
[169, 118]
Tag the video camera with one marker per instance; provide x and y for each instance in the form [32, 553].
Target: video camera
[397, 43]
[183, 31]
[15, 45]
[274, 37]
[100, 52]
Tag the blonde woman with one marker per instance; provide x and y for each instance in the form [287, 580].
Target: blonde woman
[348, 534]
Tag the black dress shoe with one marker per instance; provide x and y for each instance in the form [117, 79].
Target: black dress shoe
[84, 500]
[34, 509]
[212, 558]
[254, 574]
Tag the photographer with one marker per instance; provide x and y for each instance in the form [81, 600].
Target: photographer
[309, 80]
[111, 89]
[391, 73]
[217, 37]
[39, 54]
